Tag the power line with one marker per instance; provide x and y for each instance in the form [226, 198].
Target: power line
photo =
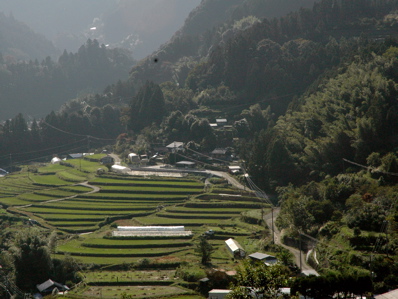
[370, 168]
[215, 159]
[42, 150]
[74, 134]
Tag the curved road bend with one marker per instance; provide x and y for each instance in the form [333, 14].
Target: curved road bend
[277, 237]
[85, 184]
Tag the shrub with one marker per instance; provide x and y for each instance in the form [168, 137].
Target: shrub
[190, 273]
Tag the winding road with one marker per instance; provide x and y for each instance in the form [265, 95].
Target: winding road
[300, 257]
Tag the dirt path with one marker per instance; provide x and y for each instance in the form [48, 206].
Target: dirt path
[300, 257]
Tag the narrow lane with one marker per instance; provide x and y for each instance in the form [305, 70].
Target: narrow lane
[277, 237]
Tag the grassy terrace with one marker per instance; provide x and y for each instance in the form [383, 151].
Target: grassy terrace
[50, 180]
[142, 291]
[116, 252]
[16, 184]
[137, 243]
[133, 196]
[131, 180]
[127, 276]
[176, 221]
[84, 211]
[155, 189]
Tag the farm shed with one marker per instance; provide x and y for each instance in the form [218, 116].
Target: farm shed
[134, 158]
[75, 156]
[126, 231]
[265, 258]
[235, 248]
[120, 169]
[3, 172]
[235, 169]
[186, 164]
[48, 286]
[151, 228]
[218, 293]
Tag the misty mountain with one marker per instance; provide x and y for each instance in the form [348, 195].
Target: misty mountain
[141, 26]
[216, 12]
[19, 42]
[208, 26]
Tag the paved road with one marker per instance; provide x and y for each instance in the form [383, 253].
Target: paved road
[115, 158]
[277, 237]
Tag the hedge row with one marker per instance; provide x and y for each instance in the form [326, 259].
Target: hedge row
[94, 207]
[224, 205]
[132, 283]
[166, 192]
[152, 184]
[96, 195]
[209, 211]
[131, 246]
[229, 197]
[251, 220]
[78, 230]
[103, 254]
[139, 178]
[193, 216]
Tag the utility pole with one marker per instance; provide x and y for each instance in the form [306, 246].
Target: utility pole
[300, 251]
[175, 154]
[272, 225]
[10, 162]
[88, 143]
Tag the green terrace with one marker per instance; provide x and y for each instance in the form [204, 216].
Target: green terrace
[132, 180]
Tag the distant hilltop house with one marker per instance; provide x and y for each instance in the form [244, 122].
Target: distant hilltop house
[235, 248]
[55, 160]
[175, 146]
[265, 258]
[221, 122]
[221, 153]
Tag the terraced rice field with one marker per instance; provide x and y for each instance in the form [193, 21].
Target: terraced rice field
[125, 248]
[117, 198]
[146, 291]
[54, 199]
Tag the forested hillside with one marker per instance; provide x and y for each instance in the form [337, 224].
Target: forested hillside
[19, 42]
[35, 88]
